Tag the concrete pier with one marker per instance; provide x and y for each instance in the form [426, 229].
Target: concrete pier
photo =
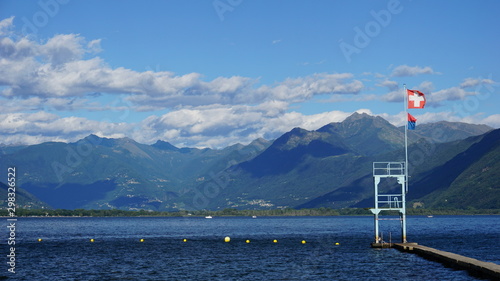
[485, 269]
[382, 245]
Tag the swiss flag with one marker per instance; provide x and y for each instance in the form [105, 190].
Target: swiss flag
[416, 99]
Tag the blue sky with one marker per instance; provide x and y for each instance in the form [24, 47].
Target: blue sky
[214, 73]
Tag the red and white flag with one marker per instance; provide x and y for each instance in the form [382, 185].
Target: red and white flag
[416, 99]
[412, 122]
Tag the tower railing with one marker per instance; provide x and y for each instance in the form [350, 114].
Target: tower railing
[388, 168]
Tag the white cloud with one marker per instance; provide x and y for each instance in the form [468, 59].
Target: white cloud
[433, 98]
[391, 85]
[218, 126]
[63, 48]
[393, 96]
[492, 120]
[450, 94]
[316, 121]
[57, 69]
[214, 121]
[349, 98]
[473, 82]
[241, 90]
[425, 87]
[376, 74]
[17, 105]
[405, 71]
[303, 88]
[214, 126]
[64, 74]
[60, 104]
[6, 25]
[397, 95]
[33, 128]
[94, 46]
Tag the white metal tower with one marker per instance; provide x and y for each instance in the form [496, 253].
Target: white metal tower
[390, 202]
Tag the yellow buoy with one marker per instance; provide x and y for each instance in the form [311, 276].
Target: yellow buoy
[227, 239]
[92, 240]
[142, 240]
[337, 243]
[247, 241]
[303, 241]
[39, 239]
[185, 240]
[275, 241]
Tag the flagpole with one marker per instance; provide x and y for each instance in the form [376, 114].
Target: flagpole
[403, 195]
[406, 137]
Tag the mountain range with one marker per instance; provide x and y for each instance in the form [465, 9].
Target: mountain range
[452, 165]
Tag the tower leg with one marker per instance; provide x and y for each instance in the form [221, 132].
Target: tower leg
[403, 227]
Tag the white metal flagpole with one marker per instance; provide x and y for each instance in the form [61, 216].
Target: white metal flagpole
[406, 137]
[403, 195]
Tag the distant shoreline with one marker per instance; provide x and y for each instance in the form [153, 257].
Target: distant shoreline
[240, 213]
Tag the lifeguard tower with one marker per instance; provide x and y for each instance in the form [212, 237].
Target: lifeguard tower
[394, 201]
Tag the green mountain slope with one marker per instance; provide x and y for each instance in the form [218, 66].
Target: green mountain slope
[329, 167]
[444, 131]
[23, 199]
[458, 174]
[366, 135]
[106, 173]
[470, 179]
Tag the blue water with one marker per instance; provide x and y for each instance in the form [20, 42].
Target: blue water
[66, 253]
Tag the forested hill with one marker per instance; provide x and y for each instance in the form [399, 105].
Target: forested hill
[327, 167]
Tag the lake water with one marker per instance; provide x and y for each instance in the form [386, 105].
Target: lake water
[336, 248]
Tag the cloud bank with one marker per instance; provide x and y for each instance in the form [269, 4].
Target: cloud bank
[40, 80]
